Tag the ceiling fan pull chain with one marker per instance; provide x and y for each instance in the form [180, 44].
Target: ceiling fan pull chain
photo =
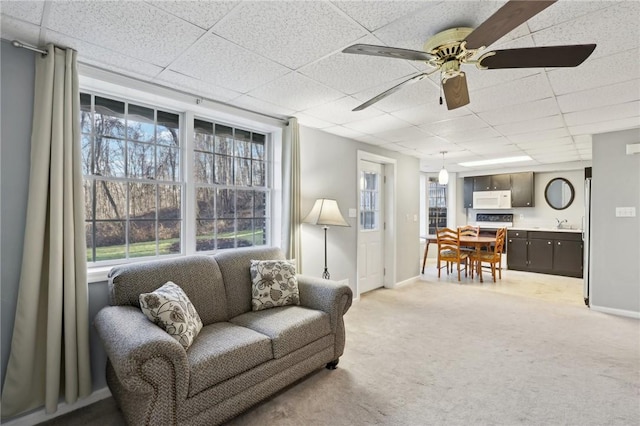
[440, 91]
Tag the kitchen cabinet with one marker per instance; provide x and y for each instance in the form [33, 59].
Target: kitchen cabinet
[517, 250]
[520, 184]
[557, 253]
[522, 189]
[468, 192]
[492, 183]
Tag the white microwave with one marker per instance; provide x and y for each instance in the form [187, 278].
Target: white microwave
[492, 199]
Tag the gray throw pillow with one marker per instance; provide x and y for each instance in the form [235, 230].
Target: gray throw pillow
[274, 283]
[170, 309]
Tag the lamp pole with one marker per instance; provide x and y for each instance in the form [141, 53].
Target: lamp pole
[325, 274]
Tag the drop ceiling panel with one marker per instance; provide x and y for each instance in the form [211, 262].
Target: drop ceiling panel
[106, 58]
[354, 73]
[545, 143]
[596, 73]
[429, 113]
[599, 97]
[193, 85]
[309, 121]
[601, 27]
[377, 125]
[373, 15]
[253, 104]
[472, 136]
[534, 125]
[515, 92]
[344, 132]
[430, 144]
[340, 111]
[521, 112]
[297, 92]
[291, 33]
[28, 11]
[372, 140]
[484, 141]
[201, 13]
[613, 112]
[500, 150]
[405, 134]
[535, 137]
[564, 11]
[606, 126]
[219, 62]
[456, 125]
[132, 27]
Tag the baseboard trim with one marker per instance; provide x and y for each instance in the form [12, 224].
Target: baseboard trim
[406, 282]
[40, 416]
[613, 311]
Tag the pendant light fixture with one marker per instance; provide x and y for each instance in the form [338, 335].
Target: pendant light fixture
[443, 177]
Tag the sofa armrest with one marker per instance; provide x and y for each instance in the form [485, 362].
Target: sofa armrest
[137, 349]
[329, 296]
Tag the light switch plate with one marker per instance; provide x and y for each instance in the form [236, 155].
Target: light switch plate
[353, 213]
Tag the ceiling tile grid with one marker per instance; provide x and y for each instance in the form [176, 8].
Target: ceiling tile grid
[285, 58]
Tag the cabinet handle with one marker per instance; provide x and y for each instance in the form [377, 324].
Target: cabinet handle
[558, 242]
[548, 242]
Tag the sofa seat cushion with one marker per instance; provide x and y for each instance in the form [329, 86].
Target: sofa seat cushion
[223, 350]
[288, 327]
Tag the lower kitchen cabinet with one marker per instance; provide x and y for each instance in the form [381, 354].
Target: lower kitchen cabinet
[558, 253]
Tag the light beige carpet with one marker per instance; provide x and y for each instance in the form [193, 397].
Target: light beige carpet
[436, 352]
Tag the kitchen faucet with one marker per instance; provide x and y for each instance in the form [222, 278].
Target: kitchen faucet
[560, 222]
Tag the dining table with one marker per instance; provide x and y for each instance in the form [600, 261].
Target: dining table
[476, 242]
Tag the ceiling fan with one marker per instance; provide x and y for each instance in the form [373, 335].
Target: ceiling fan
[449, 49]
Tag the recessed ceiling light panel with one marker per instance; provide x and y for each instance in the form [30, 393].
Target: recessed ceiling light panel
[495, 161]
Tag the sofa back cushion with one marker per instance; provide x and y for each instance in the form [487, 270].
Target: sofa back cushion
[198, 276]
[235, 267]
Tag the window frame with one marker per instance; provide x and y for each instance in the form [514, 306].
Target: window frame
[160, 98]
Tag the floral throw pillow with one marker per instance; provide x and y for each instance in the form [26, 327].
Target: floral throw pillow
[170, 309]
[274, 283]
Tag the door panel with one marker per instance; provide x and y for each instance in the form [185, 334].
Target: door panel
[371, 227]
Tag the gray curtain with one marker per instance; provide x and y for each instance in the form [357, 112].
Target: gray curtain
[291, 216]
[50, 341]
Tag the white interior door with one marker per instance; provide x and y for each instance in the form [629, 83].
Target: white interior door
[371, 225]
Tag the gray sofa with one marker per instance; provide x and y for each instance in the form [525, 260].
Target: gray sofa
[239, 358]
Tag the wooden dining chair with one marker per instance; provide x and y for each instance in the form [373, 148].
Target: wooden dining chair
[469, 231]
[493, 258]
[449, 250]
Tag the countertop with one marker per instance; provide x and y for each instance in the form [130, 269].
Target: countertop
[533, 228]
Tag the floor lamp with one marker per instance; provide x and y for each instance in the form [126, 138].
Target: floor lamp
[325, 212]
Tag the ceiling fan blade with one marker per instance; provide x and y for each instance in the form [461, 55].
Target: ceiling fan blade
[386, 93]
[388, 52]
[509, 16]
[537, 57]
[456, 92]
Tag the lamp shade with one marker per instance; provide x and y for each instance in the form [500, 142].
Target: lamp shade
[443, 177]
[325, 212]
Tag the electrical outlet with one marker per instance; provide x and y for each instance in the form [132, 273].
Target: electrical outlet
[521, 216]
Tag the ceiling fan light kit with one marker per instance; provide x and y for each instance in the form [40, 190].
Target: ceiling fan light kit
[449, 49]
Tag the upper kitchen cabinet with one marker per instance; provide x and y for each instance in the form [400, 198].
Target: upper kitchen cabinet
[468, 192]
[492, 183]
[522, 190]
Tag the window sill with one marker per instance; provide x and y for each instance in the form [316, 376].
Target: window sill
[98, 274]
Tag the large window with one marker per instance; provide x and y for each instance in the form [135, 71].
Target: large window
[230, 176]
[138, 199]
[131, 157]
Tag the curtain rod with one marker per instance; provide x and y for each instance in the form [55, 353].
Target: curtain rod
[17, 43]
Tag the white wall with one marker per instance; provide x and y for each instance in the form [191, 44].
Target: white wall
[541, 215]
[615, 241]
[329, 169]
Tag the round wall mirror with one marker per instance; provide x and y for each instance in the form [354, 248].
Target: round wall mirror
[559, 193]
